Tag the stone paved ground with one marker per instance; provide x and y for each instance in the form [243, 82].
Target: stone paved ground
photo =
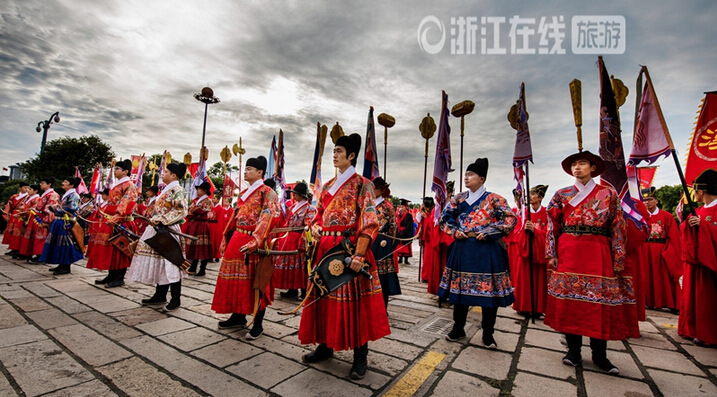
[64, 336]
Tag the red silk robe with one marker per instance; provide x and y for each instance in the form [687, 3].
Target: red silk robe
[521, 267]
[33, 240]
[120, 203]
[661, 262]
[290, 270]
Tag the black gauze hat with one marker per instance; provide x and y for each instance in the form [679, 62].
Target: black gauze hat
[204, 186]
[480, 167]
[48, 179]
[352, 143]
[74, 181]
[707, 181]
[125, 164]
[301, 189]
[23, 184]
[257, 162]
[178, 169]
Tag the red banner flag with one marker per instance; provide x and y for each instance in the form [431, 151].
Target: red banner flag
[81, 188]
[702, 152]
[646, 175]
[228, 191]
[370, 158]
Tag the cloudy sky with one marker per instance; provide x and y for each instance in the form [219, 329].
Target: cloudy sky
[126, 71]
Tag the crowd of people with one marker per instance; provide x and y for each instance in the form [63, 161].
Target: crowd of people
[577, 262]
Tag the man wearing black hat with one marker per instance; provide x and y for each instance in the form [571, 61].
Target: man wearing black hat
[660, 258]
[383, 245]
[198, 226]
[476, 272]
[405, 231]
[148, 267]
[586, 251]
[290, 271]
[115, 215]
[60, 247]
[36, 233]
[257, 208]
[426, 240]
[354, 314]
[699, 246]
[11, 208]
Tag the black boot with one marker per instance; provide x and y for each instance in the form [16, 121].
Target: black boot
[236, 320]
[256, 328]
[302, 295]
[175, 302]
[159, 297]
[599, 350]
[575, 343]
[62, 269]
[193, 269]
[460, 314]
[118, 279]
[320, 354]
[360, 365]
[105, 280]
[290, 293]
[202, 269]
[488, 325]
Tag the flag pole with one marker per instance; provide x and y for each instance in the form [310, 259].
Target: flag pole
[461, 110]
[387, 121]
[669, 141]
[427, 128]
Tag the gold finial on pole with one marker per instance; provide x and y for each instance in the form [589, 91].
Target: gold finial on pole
[577, 101]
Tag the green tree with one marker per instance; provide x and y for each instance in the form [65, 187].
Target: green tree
[216, 175]
[8, 189]
[669, 197]
[62, 155]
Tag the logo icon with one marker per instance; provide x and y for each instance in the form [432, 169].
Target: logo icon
[426, 26]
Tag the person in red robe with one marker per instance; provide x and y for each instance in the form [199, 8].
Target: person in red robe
[353, 314]
[216, 226]
[113, 218]
[660, 258]
[428, 239]
[699, 251]
[199, 251]
[405, 230]
[24, 220]
[534, 230]
[383, 245]
[33, 241]
[444, 243]
[257, 207]
[512, 240]
[11, 208]
[95, 221]
[586, 250]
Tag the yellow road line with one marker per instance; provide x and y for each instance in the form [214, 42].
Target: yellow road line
[476, 309]
[414, 378]
[666, 325]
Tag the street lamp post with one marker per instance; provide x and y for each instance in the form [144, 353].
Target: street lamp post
[45, 125]
[207, 97]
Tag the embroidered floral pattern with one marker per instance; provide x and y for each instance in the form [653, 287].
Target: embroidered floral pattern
[496, 285]
[490, 215]
[610, 291]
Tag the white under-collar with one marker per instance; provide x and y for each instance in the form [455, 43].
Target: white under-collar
[21, 195]
[152, 200]
[34, 196]
[120, 181]
[377, 201]
[251, 189]
[657, 211]
[583, 191]
[712, 204]
[67, 193]
[299, 205]
[199, 200]
[532, 211]
[46, 192]
[474, 196]
[168, 187]
[341, 178]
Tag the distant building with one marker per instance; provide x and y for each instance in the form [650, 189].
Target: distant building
[16, 172]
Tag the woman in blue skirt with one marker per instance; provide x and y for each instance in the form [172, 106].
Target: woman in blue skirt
[476, 272]
[60, 246]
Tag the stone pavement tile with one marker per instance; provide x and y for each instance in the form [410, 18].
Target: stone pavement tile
[138, 316]
[19, 335]
[107, 326]
[15, 292]
[489, 363]
[164, 326]
[41, 290]
[30, 304]
[93, 388]
[137, 378]
[5, 387]
[74, 285]
[508, 324]
[405, 318]
[276, 330]
[539, 324]
[227, 352]
[376, 361]
[51, 318]
[506, 341]
[704, 355]
[432, 307]
[545, 362]
[624, 362]
[292, 351]
[611, 344]
[400, 325]
[510, 313]
[36, 374]
[201, 319]
[600, 384]
[450, 349]
[68, 305]
[209, 379]
[312, 383]
[197, 294]
[192, 339]
[411, 311]
[667, 360]
[656, 341]
[292, 321]
[266, 369]
[422, 339]
[527, 385]
[88, 345]
[547, 340]
[661, 319]
[22, 274]
[396, 349]
[671, 384]
[455, 384]
[647, 327]
[341, 369]
[9, 317]
[111, 303]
